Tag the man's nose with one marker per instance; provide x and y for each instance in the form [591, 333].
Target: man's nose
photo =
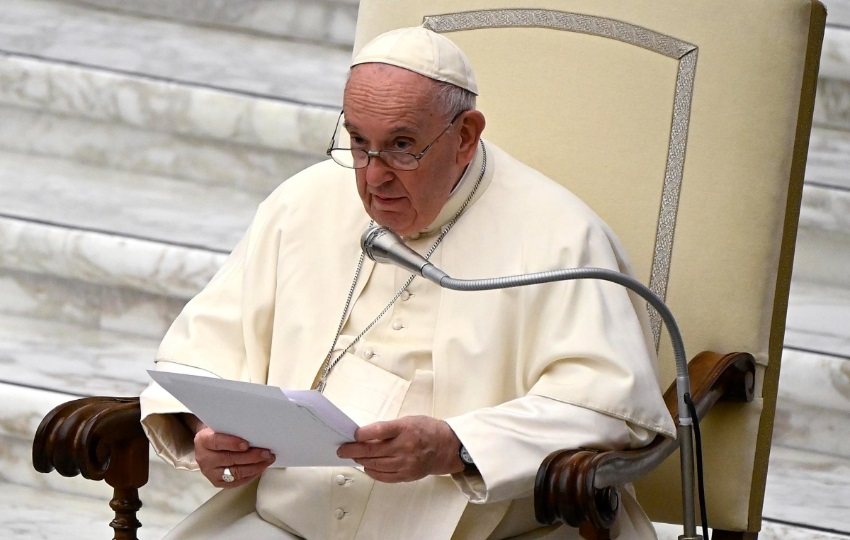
[377, 171]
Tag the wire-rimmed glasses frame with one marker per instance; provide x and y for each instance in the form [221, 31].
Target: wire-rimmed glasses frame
[357, 158]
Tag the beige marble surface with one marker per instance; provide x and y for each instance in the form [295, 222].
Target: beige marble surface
[328, 21]
[69, 359]
[32, 514]
[809, 489]
[829, 158]
[62, 31]
[819, 318]
[69, 194]
[194, 157]
[105, 259]
[137, 124]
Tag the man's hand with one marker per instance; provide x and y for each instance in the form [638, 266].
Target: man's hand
[216, 451]
[405, 450]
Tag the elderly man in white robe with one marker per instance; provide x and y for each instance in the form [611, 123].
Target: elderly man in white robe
[459, 395]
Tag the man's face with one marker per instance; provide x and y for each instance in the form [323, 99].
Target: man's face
[390, 108]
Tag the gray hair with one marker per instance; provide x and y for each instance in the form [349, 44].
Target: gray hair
[451, 100]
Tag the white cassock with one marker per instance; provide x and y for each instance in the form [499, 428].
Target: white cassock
[517, 373]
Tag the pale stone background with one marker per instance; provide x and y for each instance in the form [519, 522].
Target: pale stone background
[138, 136]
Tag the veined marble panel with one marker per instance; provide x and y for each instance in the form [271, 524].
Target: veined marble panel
[135, 312]
[121, 147]
[813, 406]
[116, 309]
[105, 259]
[294, 71]
[822, 256]
[73, 360]
[839, 12]
[33, 514]
[49, 297]
[835, 54]
[330, 21]
[169, 106]
[832, 104]
[823, 238]
[808, 488]
[825, 209]
[829, 158]
[127, 204]
[818, 318]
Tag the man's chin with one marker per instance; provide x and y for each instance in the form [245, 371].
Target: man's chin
[399, 230]
[392, 222]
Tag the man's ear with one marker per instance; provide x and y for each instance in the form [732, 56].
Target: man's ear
[470, 126]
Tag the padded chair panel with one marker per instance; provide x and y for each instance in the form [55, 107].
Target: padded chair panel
[597, 114]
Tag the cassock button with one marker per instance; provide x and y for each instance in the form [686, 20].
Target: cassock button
[405, 295]
[368, 353]
[415, 236]
[340, 479]
[397, 325]
[339, 513]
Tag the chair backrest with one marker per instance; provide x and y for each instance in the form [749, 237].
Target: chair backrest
[685, 126]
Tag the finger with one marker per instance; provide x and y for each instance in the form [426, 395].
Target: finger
[383, 465]
[241, 473]
[250, 457]
[379, 431]
[252, 470]
[364, 450]
[222, 442]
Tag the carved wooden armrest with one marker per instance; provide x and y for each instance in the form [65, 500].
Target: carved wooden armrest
[579, 487]
[100, 438]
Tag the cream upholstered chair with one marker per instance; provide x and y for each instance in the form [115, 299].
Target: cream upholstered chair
[685, 126]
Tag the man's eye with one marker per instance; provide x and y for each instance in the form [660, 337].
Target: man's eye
[402, 145]
[357, 142]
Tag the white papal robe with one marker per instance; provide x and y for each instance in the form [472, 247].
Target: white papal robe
[517, 373]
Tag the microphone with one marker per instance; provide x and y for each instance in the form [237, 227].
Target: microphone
[384, 246]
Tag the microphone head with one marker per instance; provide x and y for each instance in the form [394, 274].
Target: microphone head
[384, 246]
[375, 236]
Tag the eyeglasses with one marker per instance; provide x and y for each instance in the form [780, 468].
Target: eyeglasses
[356, 158]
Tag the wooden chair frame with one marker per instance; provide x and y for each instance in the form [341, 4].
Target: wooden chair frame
[101, 438]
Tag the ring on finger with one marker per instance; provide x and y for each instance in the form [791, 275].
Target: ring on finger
[227, 476]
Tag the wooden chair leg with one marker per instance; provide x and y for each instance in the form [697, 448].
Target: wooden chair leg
[589, 532]
[99, 438]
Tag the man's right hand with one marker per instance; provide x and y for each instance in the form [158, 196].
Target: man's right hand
[216, 451]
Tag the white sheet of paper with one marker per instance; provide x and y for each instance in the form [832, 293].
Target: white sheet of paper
[301, 427]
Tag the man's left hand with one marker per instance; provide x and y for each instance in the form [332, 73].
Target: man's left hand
[405, 449]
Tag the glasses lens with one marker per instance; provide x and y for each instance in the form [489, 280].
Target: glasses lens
[400, 160]
[347, 157]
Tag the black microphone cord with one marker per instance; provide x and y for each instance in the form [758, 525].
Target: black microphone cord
[703, 514]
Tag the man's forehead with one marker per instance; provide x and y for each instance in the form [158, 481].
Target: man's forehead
[409, 123]
[400, 99]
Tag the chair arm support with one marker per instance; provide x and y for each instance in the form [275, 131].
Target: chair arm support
[100, 438]
[580, 486]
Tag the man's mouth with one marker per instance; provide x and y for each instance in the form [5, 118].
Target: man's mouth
[383, 200]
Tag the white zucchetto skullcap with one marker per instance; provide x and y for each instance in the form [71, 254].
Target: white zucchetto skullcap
[422, 51]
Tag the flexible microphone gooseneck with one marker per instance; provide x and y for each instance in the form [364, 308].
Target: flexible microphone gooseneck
[384, 246]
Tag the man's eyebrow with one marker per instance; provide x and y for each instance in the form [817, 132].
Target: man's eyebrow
[404, 129]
